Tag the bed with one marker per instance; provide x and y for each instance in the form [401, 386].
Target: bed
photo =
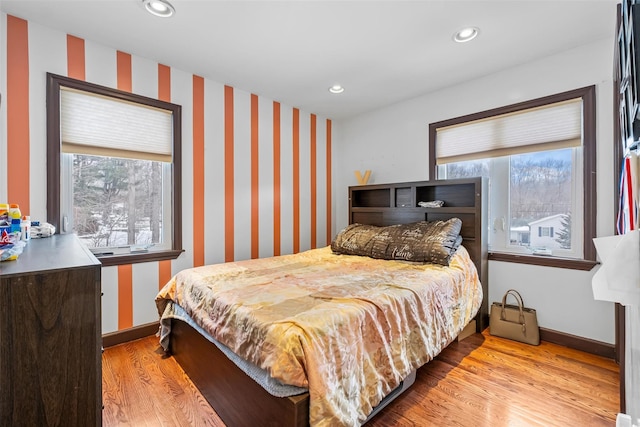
[279, 341]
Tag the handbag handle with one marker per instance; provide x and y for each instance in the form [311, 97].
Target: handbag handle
[518, 297]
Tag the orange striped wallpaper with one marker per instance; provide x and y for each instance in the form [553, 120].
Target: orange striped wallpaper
[75, 58]
[276, 179]
[329, 184]
[123, 61]
[314, 186]
[18, 136]
[164, 273]
[125, 297]
[198, 171]
[212, 123]
[229, 202]
[125, 274]
[164, 83]
[255, 183]
[296, 180]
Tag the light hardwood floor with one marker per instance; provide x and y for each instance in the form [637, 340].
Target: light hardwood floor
[480, 381]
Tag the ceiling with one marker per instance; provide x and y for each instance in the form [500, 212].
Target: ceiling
[382, 52]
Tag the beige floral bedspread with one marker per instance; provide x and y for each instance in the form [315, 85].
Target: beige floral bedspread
[348, 328]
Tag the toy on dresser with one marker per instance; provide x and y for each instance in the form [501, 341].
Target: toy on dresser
[14, 231]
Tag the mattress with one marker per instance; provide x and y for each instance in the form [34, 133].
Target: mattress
[347, 328]
[259, 375]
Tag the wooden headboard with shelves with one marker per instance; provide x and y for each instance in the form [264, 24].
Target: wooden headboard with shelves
[397, 203]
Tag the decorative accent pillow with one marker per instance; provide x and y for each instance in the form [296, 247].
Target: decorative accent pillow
[425, 241]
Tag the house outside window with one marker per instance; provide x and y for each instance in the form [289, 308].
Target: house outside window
[116, 155]
[534, 156]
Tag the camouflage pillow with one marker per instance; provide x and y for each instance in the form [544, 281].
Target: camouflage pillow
[431, 242]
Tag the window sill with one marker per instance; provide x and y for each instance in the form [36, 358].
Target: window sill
[125, 259]
[546, 261]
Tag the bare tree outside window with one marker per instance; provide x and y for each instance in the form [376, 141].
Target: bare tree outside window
[540, 185]
[117, 202]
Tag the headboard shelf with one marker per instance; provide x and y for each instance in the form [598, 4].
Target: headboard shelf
[397, 203]
[375, 197]
[460, 195]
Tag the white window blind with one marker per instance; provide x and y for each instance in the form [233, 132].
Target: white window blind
[105, 126]
[550, 127]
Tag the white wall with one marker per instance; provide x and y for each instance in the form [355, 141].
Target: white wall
[393, 143]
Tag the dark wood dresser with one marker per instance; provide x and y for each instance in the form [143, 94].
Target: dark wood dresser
[50, 336]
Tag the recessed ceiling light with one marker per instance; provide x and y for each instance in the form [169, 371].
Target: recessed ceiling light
[161, 8]
[466, 34]
[336, 89]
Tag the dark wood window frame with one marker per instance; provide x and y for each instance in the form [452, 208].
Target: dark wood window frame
[588, 95]
[54, 83]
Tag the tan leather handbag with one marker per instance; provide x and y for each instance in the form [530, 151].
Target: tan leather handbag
[515, 322]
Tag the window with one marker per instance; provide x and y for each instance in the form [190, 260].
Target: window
[545, 231]
[534, 156]
[113, 160]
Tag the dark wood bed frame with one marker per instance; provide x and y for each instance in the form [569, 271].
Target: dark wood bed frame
[239, 400]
